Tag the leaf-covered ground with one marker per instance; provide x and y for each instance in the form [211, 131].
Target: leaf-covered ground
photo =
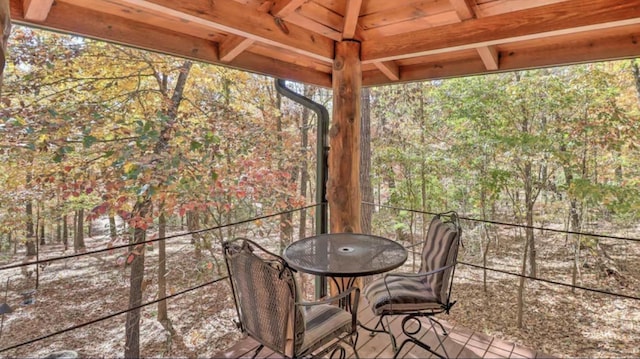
[556, 320]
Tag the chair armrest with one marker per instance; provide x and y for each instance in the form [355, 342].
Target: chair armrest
[417, 275]
[330, 300]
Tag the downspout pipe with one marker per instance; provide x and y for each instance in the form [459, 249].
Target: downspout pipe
[322, 169]
[322, 151]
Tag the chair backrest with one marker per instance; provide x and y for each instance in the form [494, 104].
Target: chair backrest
[265, 293]
[441, 250]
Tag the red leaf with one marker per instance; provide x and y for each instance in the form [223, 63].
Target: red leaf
[130, 258]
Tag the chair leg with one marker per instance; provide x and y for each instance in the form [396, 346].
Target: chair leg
[433, 320]
[257, 351]
[354, 343]
[444, 333]
[411, 335]
[394, 345]
[375, 330]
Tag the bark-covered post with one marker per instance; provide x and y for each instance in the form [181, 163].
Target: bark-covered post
[343, 187]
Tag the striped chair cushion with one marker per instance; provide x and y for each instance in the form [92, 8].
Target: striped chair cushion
[320, 322]
[438, 252]
[404, 294]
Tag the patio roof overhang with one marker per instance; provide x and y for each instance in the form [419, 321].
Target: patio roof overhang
[347, 44]
[401, 40]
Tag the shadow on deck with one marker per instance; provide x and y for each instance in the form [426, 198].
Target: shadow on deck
[460, 343]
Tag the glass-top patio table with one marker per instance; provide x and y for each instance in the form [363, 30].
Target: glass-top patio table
[345, 256]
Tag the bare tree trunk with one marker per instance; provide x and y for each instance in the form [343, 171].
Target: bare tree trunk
[65, 232]
[132, 328]
[40, 224]
[41, 233]
[286, 230]
[365, 160]
[286, 219]
[143, 210]
[59, 230]
[113, 231]
[529, 200]
[485, 256]
[636, 77]
[575, 272]
[521, 289]
[162, 269]
[78, 243]
[30, 245]
[193, 225]
[304, 172]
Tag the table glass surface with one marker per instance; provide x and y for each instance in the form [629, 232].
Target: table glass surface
[345, 254]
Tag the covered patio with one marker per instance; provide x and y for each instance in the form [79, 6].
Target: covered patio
[348, 44]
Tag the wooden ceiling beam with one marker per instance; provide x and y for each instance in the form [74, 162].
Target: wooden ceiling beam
[72, 19]
[232, 17]
[490, 57]
[488, 54]
[498, 7]
[465, 12]
[560, 51]
[603, 45]
[351, 16]
[233, 46]
[36, 10]
[309, 24]
[557, 19]
[283, 8]
[131, 12]
[390, 69]
[280, 69]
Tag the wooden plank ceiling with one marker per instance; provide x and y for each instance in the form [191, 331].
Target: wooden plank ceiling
[402, 40]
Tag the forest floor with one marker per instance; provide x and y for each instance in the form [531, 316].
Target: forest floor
[75, 291]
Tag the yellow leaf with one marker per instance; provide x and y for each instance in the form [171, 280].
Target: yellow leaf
[129, 166]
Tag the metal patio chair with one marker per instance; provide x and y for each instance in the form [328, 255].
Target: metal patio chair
[271, 311]
[423, 294]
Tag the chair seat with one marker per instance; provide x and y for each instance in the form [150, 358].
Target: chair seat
[405, 294]
[321, 321]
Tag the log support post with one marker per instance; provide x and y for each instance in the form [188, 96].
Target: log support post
[343, 187]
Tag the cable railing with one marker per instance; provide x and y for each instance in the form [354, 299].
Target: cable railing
[539, 228]
[219, 279]
[112, 249]
[149, 241]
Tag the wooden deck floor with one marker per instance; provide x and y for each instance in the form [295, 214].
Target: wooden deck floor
[460, 343]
